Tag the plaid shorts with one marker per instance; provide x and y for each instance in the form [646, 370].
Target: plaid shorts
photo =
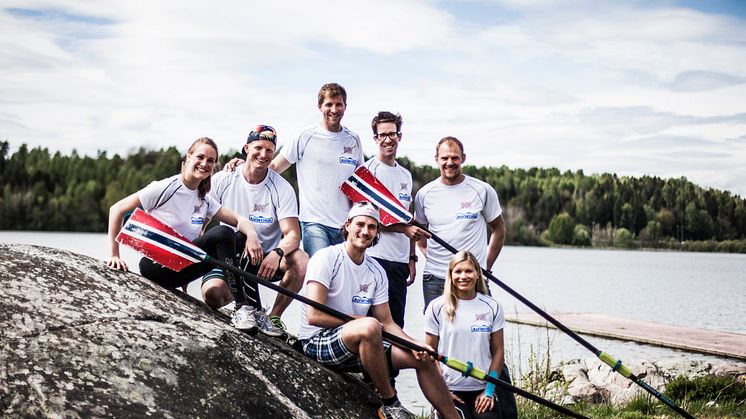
[327, 348]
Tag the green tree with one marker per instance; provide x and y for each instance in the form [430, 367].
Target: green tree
[561, 229]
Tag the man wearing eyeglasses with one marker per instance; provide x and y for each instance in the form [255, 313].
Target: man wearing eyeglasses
[326, 154]
[395, 251]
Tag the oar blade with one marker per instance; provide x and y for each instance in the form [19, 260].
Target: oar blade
[159, 242]
[363, 186]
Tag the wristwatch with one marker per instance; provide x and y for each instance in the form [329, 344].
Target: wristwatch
[413, 257]
[279, 251]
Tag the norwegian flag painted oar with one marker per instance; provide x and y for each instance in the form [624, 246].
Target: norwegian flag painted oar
[363, 186]
[163, 245]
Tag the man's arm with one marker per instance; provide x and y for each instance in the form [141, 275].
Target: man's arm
[319, 293]
[382, 313]
[279, 164]
[289, 243]
[497, 239]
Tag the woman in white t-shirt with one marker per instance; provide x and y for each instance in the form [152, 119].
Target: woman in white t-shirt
[182, 202]
[467, 324]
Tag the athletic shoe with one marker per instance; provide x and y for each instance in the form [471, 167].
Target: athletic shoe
[245, 318]
[266, 326]
[277, 321]
[395, 411]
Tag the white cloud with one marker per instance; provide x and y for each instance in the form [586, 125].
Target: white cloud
[544, 83]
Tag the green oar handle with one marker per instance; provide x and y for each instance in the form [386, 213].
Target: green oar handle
[606, 358]
[397, 340]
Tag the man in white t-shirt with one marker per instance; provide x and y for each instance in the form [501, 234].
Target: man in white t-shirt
[258, 193]
[395, 251]
[344, 278]
[457, 208]
[325, 154]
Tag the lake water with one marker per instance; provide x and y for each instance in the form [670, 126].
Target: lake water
[705, 290]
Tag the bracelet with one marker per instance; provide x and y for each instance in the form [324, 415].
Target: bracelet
[414, 258]
[489, 391]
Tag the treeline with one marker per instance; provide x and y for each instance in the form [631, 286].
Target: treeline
[43, 191]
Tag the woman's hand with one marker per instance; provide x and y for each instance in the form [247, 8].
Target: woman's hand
[484, 403]
[115, 262]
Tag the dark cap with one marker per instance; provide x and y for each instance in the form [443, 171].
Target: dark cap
[261, 132]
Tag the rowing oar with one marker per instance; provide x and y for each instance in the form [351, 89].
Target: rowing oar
[163, 245]
[364, 186]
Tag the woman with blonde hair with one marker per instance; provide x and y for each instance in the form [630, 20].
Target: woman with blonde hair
[466, 323]
[182, 202]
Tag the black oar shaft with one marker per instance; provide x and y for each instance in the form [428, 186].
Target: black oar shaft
[559, 325]
[398, 340]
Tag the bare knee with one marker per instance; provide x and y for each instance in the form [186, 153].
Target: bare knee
[216, 293]
[365, 329]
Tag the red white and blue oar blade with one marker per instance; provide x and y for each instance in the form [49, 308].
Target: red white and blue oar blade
[159, 242]
[363, 186]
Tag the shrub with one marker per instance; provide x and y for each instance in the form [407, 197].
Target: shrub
[706, 388]
[582, 236]
[561, 229]
[624, 238]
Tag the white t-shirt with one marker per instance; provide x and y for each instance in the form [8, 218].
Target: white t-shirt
[324, 160]
[264, 204]
[467, 338]
[179, 207]
[353, 289]
[457, 214]
[393, 247]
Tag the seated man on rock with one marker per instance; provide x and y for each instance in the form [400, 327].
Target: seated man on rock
[343, 277]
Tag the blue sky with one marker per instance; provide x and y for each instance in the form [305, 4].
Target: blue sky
[636, 87]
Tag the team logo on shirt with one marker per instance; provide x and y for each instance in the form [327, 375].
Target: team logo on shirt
[481, 328]
[261, 219]
[346, 159]
[403, 195]
[197, 219]
[260, 207]
[467, 216]
[362, 299]
[466, 205]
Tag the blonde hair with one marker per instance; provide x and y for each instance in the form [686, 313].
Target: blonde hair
[449, 291]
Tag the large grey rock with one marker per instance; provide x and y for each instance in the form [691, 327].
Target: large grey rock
[80, 340]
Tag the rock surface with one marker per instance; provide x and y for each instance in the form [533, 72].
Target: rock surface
[80, 340]
[593, 381]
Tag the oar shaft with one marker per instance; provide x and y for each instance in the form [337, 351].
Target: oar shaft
[623, 370]
[397, 340]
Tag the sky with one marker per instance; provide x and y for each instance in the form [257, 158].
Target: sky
[634, 88]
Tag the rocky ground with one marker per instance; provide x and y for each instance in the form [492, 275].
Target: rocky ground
[593, 381]
[80, 340]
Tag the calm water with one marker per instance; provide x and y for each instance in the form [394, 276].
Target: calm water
[703, 290]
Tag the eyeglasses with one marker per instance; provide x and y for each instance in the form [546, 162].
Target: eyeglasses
[391, 135]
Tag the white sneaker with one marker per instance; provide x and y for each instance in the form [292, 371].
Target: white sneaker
[395, 411]
[265, 324]
[245, 318]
